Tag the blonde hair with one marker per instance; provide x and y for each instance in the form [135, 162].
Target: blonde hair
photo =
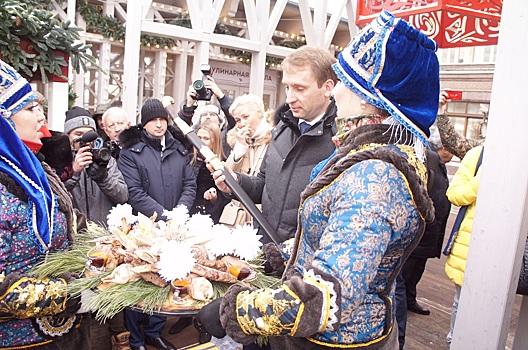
[216, 140]
[248, 99]
[319, 60]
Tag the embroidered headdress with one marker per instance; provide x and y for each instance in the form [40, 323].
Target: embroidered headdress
[394, 67]
[19, 162]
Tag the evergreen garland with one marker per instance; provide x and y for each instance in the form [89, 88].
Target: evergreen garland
[36, 43]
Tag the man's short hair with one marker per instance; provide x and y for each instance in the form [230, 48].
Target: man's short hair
[113, 111]
[319, 60]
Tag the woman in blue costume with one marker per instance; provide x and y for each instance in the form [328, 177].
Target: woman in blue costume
[362, 214]
[36, 217]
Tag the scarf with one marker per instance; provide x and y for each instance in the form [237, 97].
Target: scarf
[21, 164]
[345, 125]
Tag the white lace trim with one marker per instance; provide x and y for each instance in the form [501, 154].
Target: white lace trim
[329, 299]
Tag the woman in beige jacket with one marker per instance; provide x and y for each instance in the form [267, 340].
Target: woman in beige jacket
[250, 138]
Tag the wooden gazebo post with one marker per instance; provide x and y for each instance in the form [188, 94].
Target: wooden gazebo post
[501, 220]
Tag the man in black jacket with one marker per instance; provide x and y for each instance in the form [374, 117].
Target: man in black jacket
[159, 177]
[285, 171]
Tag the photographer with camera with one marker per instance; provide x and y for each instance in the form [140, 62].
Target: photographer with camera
[97, 184]
[203, 90]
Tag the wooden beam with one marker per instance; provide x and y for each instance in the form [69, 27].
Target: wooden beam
[306, 18]
[180, 74]
[160, 74]
[131, 59]
[319, 22]
[60, 12]
[217, 9]
[177, 32]
[501, 219]
[275, 17]
[252, 20]
[195, 12]
[351, 14]
[144, 11]
[258, 62]
[332, 25]
[105, 50]
[120, 13]
[278, 51]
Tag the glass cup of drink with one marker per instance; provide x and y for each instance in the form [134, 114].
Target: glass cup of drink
[180, 289]
[97, 257]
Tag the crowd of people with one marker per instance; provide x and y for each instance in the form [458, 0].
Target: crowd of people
[347, 172]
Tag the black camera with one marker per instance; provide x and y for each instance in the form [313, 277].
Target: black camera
[100, 154]
[113, 147]
[203, 93]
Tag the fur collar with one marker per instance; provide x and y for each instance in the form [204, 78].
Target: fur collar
[133, 135]
[380, 134]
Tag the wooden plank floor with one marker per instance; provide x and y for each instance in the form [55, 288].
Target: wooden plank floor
[435, 291]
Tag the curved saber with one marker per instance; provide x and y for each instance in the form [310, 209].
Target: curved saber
[235, 187]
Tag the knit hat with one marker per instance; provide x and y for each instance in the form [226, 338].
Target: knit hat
[15, 91]
[208, 109]
[393, 66]
[78, 117]
[153, 108]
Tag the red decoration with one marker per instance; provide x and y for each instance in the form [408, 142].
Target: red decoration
[27, 46]
[451, 23]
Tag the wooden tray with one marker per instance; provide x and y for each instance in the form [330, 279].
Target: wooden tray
[169, 308]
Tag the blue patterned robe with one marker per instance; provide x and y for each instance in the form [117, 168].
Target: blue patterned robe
[356, 228]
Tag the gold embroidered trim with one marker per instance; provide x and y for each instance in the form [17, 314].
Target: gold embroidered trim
[299, 314]
[267, 307]
[29, 297]
[351, 346]
[28, 346]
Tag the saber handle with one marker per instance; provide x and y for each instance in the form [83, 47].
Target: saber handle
[230, 181]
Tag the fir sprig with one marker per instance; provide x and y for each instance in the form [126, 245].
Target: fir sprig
[72, 260]
[115, 298]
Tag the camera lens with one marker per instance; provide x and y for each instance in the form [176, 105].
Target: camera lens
[198, 85]
[102, 155]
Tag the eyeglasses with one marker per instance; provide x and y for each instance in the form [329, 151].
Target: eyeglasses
[114, 126]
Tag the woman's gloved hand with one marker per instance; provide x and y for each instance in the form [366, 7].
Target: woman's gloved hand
[274, 260]
[72, 304]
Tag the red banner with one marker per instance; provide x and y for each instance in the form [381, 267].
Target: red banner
[451, 23]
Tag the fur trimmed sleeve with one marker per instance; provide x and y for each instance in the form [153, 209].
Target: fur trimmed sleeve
[23, 297]
[304, 305]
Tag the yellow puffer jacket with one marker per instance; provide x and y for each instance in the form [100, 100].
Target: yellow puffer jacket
[463, 191]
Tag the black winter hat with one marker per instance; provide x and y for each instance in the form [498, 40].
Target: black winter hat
[78, 117]
[153, 108]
